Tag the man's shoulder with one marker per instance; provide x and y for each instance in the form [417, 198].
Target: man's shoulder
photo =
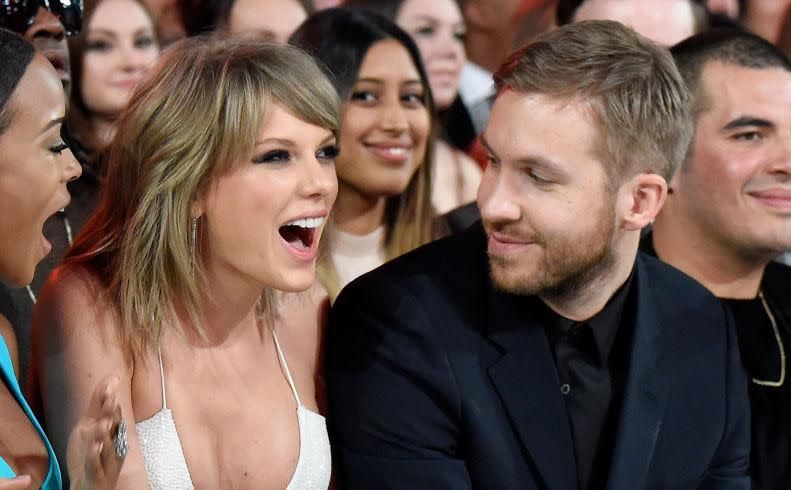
[454, 257]
[454, 268]
[674, 289]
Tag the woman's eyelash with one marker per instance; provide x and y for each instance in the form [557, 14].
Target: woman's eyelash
[59, 149]
[329, 152]
[275, 156]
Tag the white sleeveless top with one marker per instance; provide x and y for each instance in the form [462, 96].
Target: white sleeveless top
[167, 468]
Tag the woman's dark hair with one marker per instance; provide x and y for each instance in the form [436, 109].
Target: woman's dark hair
[16, 53]
[338, 39]
[386, 8]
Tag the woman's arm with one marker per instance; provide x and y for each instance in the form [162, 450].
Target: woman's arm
[75, 347]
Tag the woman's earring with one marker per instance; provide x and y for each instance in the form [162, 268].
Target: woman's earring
[194, 237]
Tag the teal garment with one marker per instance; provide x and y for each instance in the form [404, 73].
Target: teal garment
[53, 480]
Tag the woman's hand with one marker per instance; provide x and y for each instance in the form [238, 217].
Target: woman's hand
[97, 447]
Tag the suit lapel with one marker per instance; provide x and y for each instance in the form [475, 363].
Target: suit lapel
[527, 382]
[646, 392]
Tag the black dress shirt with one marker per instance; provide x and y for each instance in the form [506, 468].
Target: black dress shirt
[592, 362]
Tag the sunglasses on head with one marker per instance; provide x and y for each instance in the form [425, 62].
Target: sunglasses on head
[19, 15]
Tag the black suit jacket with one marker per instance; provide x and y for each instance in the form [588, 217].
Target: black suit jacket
[439, 381]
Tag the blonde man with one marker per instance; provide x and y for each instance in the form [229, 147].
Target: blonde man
[539, 349]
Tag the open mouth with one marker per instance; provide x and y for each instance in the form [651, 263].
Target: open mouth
[301, 233]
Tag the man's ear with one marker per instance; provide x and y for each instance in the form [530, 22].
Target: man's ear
[640, 199]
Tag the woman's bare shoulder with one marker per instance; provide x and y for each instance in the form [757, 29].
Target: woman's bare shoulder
[74, 298]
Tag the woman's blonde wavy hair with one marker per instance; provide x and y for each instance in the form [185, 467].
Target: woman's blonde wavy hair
[195, 116]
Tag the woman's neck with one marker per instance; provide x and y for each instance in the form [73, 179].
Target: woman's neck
[228, 306]
[356, 213]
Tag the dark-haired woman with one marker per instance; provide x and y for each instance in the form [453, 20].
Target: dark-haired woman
[35, 165]
[385, 166]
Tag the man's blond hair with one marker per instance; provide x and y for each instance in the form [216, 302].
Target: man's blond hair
[635, 94]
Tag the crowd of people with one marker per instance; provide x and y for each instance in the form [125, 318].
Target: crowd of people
[395, 244]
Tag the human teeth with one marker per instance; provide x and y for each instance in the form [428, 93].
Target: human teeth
[306, 222]
[395, 150]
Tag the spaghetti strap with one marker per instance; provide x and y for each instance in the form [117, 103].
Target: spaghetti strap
[285, 367]
[162, 379]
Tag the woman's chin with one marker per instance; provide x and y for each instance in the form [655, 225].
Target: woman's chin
[297, 282]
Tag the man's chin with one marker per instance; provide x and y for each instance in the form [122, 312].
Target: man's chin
[505, 278]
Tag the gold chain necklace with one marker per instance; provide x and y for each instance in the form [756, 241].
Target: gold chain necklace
[67, 226]
[776, 329]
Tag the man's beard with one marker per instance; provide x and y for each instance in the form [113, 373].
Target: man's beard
[567, 265]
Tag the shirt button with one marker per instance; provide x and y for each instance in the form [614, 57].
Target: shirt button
[565, 388]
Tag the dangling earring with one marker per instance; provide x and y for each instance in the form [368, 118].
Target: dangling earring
[194, 237]
[194, 244]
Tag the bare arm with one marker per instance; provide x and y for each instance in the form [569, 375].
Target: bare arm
[75, 347]
[10, 341]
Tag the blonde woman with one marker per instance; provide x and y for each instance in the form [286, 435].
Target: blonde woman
[219, 183]
[384, 170]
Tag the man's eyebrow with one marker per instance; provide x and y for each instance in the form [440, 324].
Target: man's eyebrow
[743, 121]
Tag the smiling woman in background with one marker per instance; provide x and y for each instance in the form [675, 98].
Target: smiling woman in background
[438, 29]
[384, 168]
[117, 45]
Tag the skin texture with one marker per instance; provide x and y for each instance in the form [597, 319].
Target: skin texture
[667, 26]
[438, 29]
[731, 200]
[34, 169]
[49, 38]
[287, 175]
[274, 20]
[555, 229]
[120, 46]
[385, 110]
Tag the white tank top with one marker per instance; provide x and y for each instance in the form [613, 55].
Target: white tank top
[167, 468]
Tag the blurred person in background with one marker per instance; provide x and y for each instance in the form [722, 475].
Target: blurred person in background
[385, 163]
[272, 20]
[117, 45]
[675, 21]
[170, 24]
[218, 186]
[438, 29]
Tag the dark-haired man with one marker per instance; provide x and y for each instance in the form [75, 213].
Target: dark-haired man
[728, 216]
[538, 349]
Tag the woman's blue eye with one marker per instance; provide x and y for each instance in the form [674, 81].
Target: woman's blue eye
[275, 156]
[328, 153]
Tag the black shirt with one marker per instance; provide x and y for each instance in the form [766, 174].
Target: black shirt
[770, 406]
[592, 362]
